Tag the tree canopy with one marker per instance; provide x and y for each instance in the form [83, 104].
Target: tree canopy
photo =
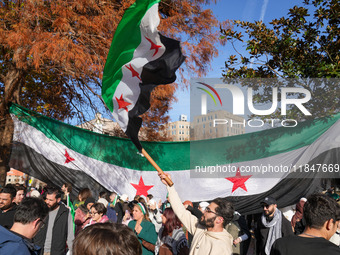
[303, 44]
[61, 46]
[53, 54]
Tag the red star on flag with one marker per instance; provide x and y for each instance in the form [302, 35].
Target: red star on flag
[68, 158]
[121, 103]
[141, 188]
[153, 46]
[133, 71]
[238, 180]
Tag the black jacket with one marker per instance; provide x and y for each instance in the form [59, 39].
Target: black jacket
[261, 234]
[119, 210]
[7, 218]
[59, 232]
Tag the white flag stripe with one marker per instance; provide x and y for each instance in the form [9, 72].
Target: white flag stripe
[129, 85]
[108, 174]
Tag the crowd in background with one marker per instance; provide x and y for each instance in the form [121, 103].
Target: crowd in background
[85, 224]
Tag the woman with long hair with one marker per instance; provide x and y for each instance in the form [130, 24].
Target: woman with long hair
[82, 216]
[171, 237]
[142, 227]
[82, 196]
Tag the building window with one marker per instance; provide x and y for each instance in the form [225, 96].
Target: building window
[203, 125]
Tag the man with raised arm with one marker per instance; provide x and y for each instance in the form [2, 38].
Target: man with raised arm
[209, 235]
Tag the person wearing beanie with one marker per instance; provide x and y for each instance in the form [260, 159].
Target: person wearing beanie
[103, 201]
[271, 226]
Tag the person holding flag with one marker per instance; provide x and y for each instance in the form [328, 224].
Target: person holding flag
[209, 234]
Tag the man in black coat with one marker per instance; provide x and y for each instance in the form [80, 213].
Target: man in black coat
[58, 229]
[7, 206]
[271, 226]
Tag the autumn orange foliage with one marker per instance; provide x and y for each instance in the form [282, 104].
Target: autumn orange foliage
[53, 53]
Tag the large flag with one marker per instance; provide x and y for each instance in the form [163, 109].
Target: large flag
[55, 152]
[139, 59]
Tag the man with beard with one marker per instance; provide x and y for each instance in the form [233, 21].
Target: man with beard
[271, 225]
[59, 226]
[7, 206]
[210, 237]
[67, 197]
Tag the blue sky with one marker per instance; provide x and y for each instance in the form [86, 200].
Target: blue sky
[246, 10]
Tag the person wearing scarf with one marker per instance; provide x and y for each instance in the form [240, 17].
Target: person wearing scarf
[142, 227]
[271, 226]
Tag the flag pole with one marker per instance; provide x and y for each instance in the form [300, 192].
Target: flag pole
[154, 164]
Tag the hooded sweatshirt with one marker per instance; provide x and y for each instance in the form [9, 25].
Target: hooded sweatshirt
[13, 243]
[204, 242]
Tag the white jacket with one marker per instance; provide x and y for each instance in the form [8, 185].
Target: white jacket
[204, 242]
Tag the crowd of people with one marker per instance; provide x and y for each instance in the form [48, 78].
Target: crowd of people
[54, 222]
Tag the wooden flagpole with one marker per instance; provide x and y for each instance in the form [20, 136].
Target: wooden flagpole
[154, 164]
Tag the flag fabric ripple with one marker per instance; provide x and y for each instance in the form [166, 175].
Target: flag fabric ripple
[140, 59]
[55, 152]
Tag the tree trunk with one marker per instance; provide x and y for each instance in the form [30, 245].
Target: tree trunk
[6, 134]
[11, 82]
